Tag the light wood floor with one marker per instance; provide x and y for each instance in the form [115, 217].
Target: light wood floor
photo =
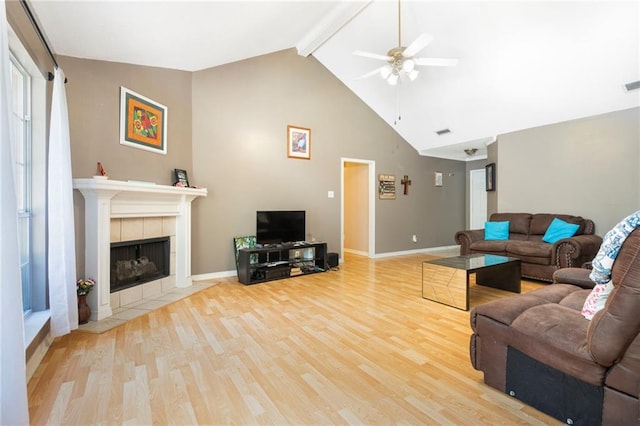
[354, 346]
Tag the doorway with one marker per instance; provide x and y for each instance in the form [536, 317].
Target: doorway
[357, 212]
[477, 199]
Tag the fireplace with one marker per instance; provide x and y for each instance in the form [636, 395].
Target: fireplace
[108, 199]
[140, 261]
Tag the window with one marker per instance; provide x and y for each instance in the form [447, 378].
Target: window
[28, 94]
[21, 127]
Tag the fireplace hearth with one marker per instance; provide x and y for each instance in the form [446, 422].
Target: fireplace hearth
[138, 262]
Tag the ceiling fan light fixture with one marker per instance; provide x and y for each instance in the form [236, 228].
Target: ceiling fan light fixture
[393, 79]
[408, 65]
[413, 74]
[385, 72]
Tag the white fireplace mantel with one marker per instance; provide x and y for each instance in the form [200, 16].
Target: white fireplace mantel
[106, 199]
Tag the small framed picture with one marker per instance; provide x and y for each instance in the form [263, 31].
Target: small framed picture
[181, 178]
[490, 176]
[437, 178]
[298, 142]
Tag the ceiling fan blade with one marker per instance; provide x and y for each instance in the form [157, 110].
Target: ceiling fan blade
[370, 73]
[417, 45]
[372, 55]
[436, 62]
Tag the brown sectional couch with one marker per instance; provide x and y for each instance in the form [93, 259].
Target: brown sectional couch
[539, 259]
[539, 348]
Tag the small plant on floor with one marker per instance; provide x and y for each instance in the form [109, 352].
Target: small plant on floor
[84, 286]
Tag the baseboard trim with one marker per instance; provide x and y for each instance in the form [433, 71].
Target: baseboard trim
[416, 251]
[213, 275]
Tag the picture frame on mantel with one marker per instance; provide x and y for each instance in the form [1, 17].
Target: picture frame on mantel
[143, 122]
[180, 178]
[298, 142]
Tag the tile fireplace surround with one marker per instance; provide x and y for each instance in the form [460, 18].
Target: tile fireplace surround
[106, 200]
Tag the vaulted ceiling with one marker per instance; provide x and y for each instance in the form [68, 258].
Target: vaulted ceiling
[521, 64]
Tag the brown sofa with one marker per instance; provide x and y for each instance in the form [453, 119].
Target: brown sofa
[539, 348]
[539, 259]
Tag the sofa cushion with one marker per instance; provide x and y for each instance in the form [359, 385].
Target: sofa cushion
[496, 231]
[518, 222]
[556, 335]
[558, 230]
[530, 251]
[506, 310]
[541, 221]
[494, 247]
[576, 299]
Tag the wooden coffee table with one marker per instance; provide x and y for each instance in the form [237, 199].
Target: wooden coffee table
[446, 280]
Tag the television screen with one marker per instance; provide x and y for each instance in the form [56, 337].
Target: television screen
[275, 227]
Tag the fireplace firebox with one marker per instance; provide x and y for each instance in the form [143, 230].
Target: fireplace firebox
[140, 261]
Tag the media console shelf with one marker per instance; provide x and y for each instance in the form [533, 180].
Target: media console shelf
[257, 265]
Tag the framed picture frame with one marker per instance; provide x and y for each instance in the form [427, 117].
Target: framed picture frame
[298, 142]
[180, 177]
[490, 176]
[143, 122]
[387, 187]
[437, 178]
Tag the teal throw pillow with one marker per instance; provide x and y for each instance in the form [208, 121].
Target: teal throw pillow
[496, 230]
[558, 230]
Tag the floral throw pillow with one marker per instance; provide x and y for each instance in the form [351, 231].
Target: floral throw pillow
[596, 299]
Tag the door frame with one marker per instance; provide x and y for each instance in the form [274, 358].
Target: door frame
[371, 166]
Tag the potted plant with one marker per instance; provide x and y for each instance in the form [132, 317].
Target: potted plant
[84, 287]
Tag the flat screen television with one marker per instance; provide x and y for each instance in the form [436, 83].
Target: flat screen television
[281, 226]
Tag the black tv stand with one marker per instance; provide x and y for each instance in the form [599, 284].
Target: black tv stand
[274, 262]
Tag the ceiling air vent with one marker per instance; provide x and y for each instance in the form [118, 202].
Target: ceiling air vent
[634, 85]
[443, 132]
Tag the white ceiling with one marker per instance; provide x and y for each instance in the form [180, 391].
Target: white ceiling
[522, 64]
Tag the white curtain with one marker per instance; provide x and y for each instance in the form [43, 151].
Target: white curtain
[61, 263]
[13, 370]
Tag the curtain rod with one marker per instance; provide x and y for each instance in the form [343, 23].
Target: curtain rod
[43, 40]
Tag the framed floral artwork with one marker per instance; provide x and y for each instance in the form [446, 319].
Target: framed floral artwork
[298, 142]
[143, 122]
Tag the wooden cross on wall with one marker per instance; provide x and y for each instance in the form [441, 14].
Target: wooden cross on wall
[405, 182]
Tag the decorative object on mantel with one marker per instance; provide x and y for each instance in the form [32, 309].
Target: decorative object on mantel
[102, 173]
[298, 142]
[387, 187]
[406, 182]
[437, 178]
[181, 179]
[143, 122]
[84, 287]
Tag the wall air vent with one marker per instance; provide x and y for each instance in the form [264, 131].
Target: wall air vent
[443, 132]
[634, 85]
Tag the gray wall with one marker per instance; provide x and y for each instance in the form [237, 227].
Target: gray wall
[227, 128]
[240, 116]
[587, 167]
[93, 97]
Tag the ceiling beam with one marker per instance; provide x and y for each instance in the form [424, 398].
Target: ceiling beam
[332, 22]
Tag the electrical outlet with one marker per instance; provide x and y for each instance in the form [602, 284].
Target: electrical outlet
[414, 238]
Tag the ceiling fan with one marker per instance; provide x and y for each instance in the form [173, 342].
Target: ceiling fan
[402, 61]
